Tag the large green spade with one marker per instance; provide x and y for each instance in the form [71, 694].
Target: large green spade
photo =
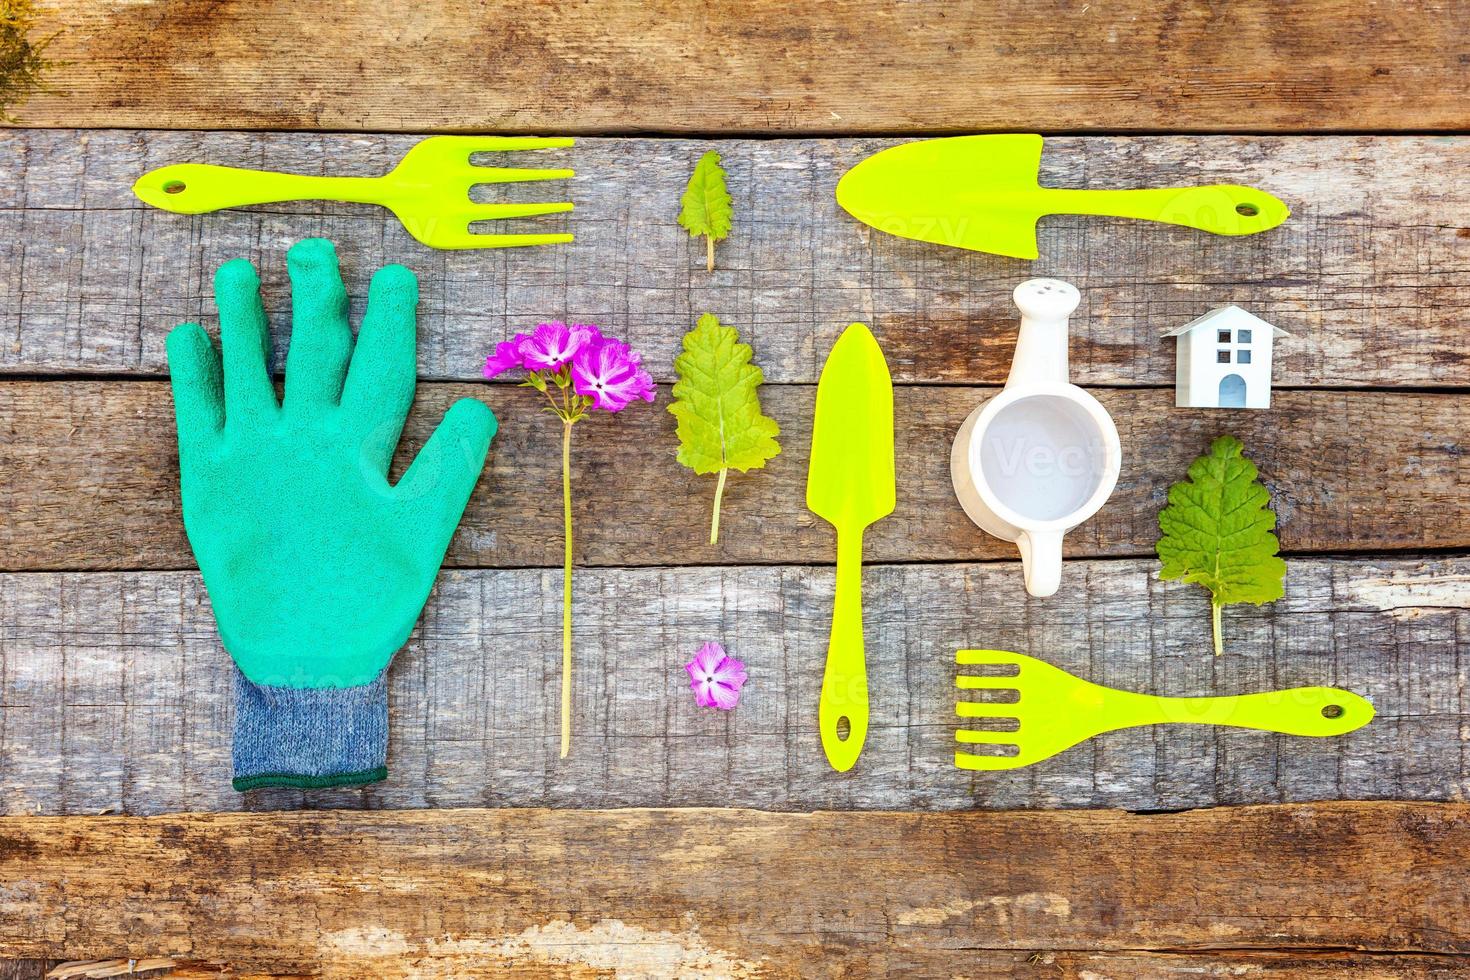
[850, 484]
[980, 193]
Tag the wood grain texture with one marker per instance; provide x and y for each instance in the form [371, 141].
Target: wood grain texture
[657, 893]
[1369, 274]
[91, 475]
[974, 963]
[763, 66]
[115, 695]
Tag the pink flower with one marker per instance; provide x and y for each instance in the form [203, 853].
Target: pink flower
[551, 345]
[715, 678]
[506, 357]
[608, 372]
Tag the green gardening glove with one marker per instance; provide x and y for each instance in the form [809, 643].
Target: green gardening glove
[317, 567]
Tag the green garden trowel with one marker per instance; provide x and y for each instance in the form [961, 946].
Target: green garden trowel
[850, 484]
[980, 193]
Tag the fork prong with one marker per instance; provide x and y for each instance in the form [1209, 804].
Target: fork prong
[510, 175]
[986, 709]
[975, 682]
[500, 144]
[981, 736]
[970, 658]
[985, 763]
[468, 239]
[511, 241]
[489, 212]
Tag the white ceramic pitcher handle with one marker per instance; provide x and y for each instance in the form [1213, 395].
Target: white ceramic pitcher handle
[1041, 561]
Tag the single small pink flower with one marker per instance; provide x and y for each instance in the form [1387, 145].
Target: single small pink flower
[715, 678]
[551, 345]
[609, 372]
[507, 356]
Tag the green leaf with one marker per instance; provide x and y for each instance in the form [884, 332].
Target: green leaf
[706, 205]
[720, 422]
[1217, 532]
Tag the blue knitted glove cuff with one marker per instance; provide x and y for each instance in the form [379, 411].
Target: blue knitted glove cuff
[310, 737]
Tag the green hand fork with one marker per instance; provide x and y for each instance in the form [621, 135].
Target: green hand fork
[429, 190]
[981, 193]
[1053, 710]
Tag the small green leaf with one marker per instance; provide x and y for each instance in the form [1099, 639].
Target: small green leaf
[1217, 532]
[719, 411]
[706, 205]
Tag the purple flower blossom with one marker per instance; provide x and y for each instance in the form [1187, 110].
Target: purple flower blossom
[576, 369]
[506, 357]
[551, 345]
[608, 371]
[715, 678]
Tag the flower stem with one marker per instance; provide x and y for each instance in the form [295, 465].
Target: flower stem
[709, 254]
[714, 527]
[566, 591]
[1215, 608]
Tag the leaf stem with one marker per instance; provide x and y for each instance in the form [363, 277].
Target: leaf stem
[1215, 608]
[566, 590]
[714, 527]
[709, 253]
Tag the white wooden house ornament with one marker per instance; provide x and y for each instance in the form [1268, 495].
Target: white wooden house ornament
[1224, 360]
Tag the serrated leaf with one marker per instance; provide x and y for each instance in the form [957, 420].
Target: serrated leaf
[719, 411]
[1217, 532]
[705, 207]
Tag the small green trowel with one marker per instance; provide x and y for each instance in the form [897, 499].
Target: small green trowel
[850, 484]
[980, 193]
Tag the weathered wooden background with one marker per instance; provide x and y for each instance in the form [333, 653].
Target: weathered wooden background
[1296, 858]
[769, 66]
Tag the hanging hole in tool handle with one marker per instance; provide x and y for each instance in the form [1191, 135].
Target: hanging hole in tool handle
[1247, 210]
[844, 728]
[173, 187]
[1332, 711]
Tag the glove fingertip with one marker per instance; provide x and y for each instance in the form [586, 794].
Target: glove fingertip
[194, 371]
[236, 275]
[188, 348]
[395, 279]
[474, 419]
[309, 253]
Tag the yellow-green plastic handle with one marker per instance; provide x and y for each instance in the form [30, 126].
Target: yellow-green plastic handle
[1224, 209]
[196, 188]
[845, 679]
[1311, 711]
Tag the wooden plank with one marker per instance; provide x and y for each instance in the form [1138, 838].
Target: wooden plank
[115, 695]
[688, 892]
[992, 963]
[764, 66]
[90, 472]
[1368, 275]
